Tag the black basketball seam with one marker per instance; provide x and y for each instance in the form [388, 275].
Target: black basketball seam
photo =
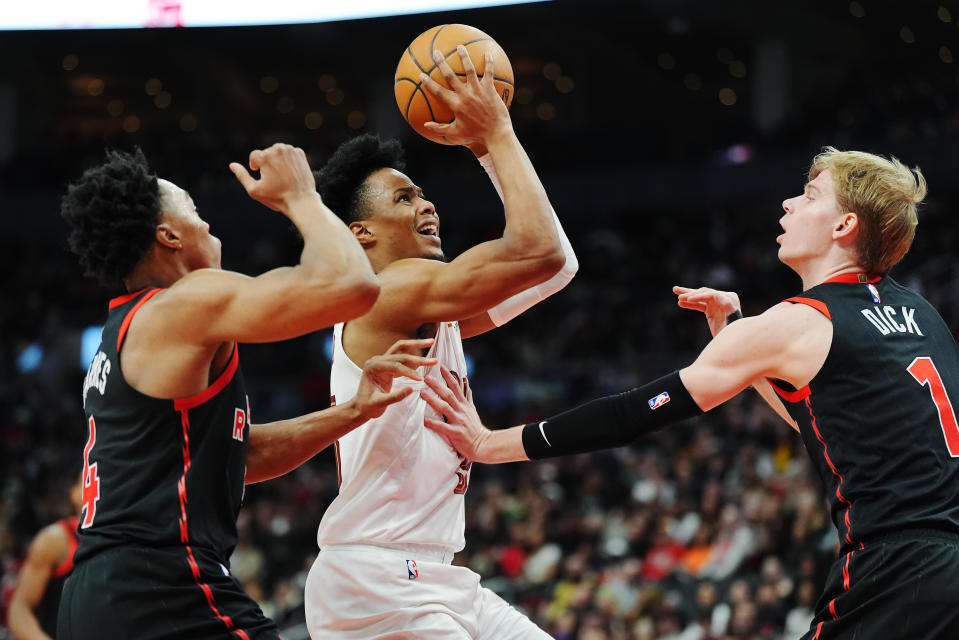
[497, 78]
[433, 41]
[447, 55]
[406, 113]
[409, 49]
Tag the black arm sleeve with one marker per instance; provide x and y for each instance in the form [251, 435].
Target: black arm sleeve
[612, 421]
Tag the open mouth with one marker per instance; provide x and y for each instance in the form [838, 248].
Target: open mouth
[429, 229]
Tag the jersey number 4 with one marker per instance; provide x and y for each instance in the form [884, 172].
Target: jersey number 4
[91, 480]
[925, 372]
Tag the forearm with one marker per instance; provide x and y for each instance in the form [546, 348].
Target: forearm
[279, 447]
[529, 224]
[766, 391]
[604, 423]
[328, 245]
[23, 623]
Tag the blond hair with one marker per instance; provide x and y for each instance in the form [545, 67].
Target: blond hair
[884, 193]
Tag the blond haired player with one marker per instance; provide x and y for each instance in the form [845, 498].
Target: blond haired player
[387, 541]
[864, 368]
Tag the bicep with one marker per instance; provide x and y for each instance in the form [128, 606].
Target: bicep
[738, 355]
[478, 279]
[37, 569]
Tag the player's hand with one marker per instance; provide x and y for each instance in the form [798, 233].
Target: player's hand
[376, 392]
[462, 427]
[478, 111]
[284, 176]
[715, 304]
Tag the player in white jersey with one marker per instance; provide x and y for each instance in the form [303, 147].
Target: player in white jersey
[387, 541]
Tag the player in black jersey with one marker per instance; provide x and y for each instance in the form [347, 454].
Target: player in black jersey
[170, 442]
[864, 368]
[33, 606]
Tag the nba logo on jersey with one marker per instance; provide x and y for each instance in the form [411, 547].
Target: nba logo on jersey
[411, 569]
[874, 292]
[658, 401]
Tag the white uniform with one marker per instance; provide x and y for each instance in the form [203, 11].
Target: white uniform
[388, 538]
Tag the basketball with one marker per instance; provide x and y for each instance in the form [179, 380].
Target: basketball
[415, 103]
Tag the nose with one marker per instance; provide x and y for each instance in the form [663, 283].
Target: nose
[786, 204]
[426, 207]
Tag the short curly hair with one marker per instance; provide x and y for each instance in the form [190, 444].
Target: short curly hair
[341, 180]
[113, 209]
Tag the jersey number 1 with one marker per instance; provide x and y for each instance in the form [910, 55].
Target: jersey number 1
[925, 372]
[91, 480]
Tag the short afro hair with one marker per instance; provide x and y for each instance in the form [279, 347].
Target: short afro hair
[113, 209]
[340, 181]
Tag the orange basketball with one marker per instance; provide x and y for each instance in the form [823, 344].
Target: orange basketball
[415, 103]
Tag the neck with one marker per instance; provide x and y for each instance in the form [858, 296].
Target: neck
[820, 273]
[154, 273]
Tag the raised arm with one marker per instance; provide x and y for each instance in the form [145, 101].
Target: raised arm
[528, 252]
[333, 281]
[789, 342]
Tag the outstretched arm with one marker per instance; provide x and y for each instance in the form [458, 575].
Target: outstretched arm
[279, 447]
[720, 307]
[789, 342]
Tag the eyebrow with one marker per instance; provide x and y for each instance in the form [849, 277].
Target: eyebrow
[410, 189]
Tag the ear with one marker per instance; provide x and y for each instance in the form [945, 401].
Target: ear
[847, 226]
[362, 233]
[167, 236]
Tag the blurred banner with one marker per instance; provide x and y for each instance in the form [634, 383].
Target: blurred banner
[126, 14]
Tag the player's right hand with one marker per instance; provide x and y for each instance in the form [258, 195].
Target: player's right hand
[715, 304]
[478, 111]
[284, 176]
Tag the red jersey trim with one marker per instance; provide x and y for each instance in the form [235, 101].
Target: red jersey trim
[853, 278]
[185, 535]
[183, 404]
[130, 314]
[69, 526]
[790, 396]
[818, 305]
[116, 302]
[835, 472]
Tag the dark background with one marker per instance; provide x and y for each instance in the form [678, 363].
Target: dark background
[667, 134]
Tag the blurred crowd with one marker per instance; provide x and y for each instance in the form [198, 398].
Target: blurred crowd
[716, 529]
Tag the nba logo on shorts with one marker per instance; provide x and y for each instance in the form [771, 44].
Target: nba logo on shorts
[658, 401]
[874, 292]
[411, 569]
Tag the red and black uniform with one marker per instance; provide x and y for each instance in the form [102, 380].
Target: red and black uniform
[46, 611]
[163, 484]
[879, 422]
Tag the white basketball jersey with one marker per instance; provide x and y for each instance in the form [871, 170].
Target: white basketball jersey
[400, 482]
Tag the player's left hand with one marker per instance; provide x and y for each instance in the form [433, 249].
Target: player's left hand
[462, 427]
[376, 392]
[715, 304]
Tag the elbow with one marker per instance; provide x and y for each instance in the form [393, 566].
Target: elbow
[360, 293]
[550, 263]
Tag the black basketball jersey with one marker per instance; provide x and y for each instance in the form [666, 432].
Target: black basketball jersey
[878, 419]
[160, 472]
[46, 611]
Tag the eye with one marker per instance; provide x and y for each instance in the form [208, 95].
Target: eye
[404, 197]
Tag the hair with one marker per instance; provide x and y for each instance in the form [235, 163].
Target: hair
[884, 193]
[341, 182]
[113, 209]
